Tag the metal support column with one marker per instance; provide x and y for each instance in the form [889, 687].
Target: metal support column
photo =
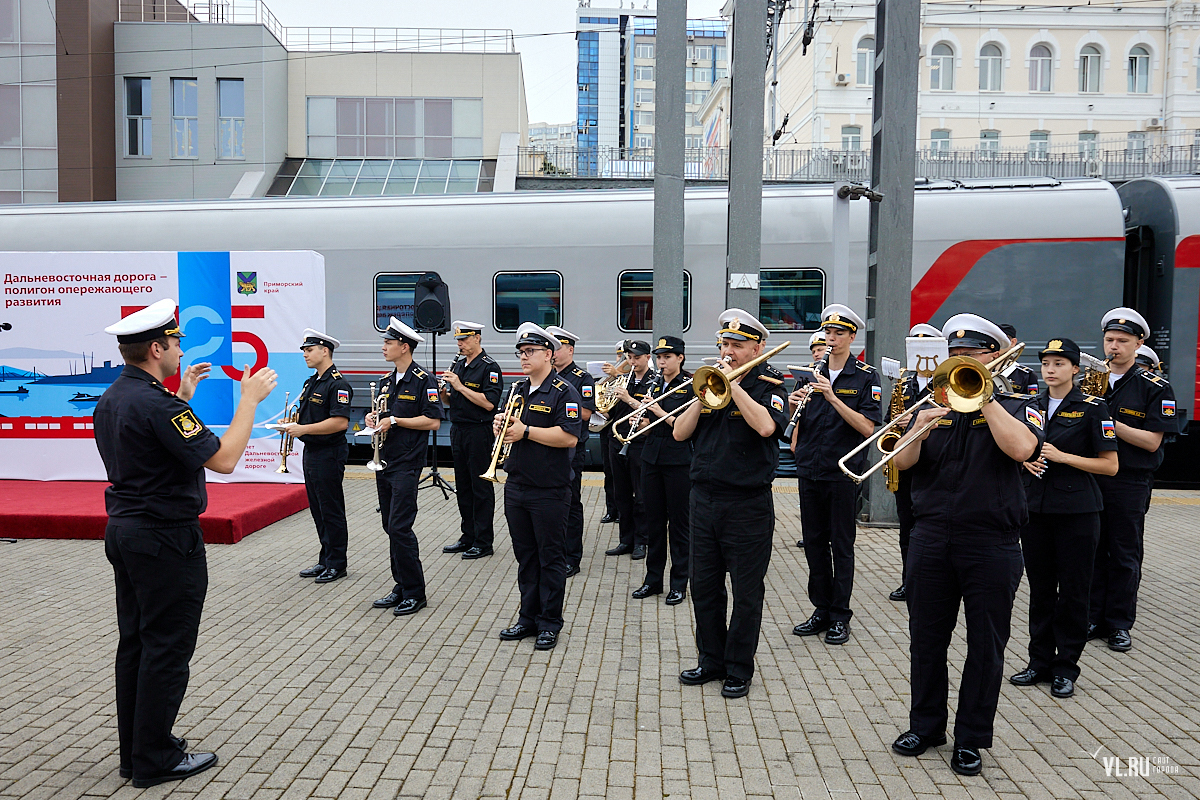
[670, 63]
[743, 248]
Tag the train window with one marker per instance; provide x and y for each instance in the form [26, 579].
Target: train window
[635, 301]
[791, 299]
[394, 297]
[527, 297]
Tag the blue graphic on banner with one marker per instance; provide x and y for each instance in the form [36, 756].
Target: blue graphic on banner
[205, 316]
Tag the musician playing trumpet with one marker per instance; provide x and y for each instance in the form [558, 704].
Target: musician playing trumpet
[323, 415]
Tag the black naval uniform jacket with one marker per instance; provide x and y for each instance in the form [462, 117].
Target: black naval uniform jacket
[1023, 380]
[823, 437]
[555, 403]
[322, 397]
[730, 456]
[482, 375]
[154, 449]
[1141, 400]
[660, 446]
[1081, 426]
[413, 394]
[585, 385]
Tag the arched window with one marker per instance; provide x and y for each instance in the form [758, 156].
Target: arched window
[1039, 69]
[865, 61]
[1139, 70]
[991, 66]
[941, 67]
[1089, 69]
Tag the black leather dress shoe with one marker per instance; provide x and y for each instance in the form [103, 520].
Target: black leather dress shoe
[619, 550]
[1096, 632]
[388, 600]
[409, 606]
[330, 575]
[477, 552]
[838, 633]
[313, 571]
[127, 772]
[458, 547]
[611, 516]
[911, 743]
[639, 552]
[545, 640]
[1120, 640]
[700, 675]
[735, 687]
[645, 590]
[966, 761]
[675, 597]
[572, 570]
[516, 632]
[800, 543]
[815, 624]
[1028, 677]
[1062, 687]
[900, 595]
[192, 764]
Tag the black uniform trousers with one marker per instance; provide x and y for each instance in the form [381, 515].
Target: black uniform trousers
[982, 572]
[537, 523]
[610, 503]
[1060, 551]
[827, 519]
[730, 534]
[627, 478]
[398, 505]
[471, 447]
[667, 491]
[1118, 570]
[324, 469]
[904, 511]
[162, 578]
[574, 546]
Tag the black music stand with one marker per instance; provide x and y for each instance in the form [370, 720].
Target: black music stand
[434, 480]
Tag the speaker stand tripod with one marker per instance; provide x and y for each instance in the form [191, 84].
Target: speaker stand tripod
[434, 480]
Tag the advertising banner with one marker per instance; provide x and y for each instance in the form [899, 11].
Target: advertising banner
[236, 309]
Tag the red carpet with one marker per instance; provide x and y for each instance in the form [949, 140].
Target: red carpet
[75, 509]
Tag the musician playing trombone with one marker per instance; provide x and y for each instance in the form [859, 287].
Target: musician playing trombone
[969, 506]
[323, 415]
[844, 405]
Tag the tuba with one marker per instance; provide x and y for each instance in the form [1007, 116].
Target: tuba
[287, 442]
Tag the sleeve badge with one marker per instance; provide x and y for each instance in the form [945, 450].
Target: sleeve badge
[876, 393]
[343, 396]
[1168, 408]
[1033, 389]
[1034, 418]
[1108, 429]
[494, 378]
[187, 424]
[432, 394]
[572, 410]
[777, 403]
[586, 391]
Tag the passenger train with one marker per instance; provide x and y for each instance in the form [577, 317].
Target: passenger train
[1048, 256]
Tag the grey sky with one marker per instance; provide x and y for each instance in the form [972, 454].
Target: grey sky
[544, 31]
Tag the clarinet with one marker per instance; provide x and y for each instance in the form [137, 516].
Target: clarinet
[639, 414]
[817, 367]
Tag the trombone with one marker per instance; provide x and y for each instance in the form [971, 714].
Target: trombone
[960, 383]
[635, 432]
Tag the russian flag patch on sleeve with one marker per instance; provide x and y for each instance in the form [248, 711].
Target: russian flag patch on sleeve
[1108, 429]
[777, 402]
[875, 393]
[1168, 408]
[1034, 417]
[572, 410]
[1033, 389]
[587, 392]
[432, 394]
[343, 396]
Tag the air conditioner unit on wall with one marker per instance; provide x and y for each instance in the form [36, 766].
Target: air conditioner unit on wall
[842, 79]
[1154, 122]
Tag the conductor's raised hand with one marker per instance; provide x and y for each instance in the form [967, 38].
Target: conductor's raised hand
[191, 377]
[258, 386]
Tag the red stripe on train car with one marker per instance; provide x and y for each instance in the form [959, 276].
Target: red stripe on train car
[1187, 256]
[46, 428]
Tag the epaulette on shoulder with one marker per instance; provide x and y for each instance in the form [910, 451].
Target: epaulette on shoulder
[770, 380]
[1087, 398]
[769, 370]
[418, 372]
[864, 366]
[488, 360]
[1012, 395]
[336, 374]
[559, 384]
[1150, 376]
[577, 371]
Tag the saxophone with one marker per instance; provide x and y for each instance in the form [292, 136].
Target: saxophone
[888, 441]
[1095, 376]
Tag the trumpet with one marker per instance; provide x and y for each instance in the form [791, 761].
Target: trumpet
[816, 368]
[513, 407]
[378, 406]
[287, 442]
[960, 383]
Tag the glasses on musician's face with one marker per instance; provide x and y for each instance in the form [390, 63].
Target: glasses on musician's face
[529, 351]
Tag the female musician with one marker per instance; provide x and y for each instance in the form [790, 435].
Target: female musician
[1059, 540]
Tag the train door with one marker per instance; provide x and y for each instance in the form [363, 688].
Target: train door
[1150, 227]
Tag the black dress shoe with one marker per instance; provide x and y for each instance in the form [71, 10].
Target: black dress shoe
[409, 606]
[330, 575]
[1028, 677]
[192, 764]
[611, 516]
[545, 640]
[645, 590]
[1096, 632]
[675, 597]
[1062, 687]
[815, 624]
[458, 547]
[900, 595]
[619, 550]
[516, 632]
[388, 600]
[838, 633]
[572, 570]
[1120, 640]
[699, 675]
[800, 543]
[313, 571]
[639, 552]
[735, 687]
[966, 761]
[127, 772]
[477, 552]
[911, 743]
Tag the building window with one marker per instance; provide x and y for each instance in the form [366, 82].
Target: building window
[691, 120]
[939, 141]
[699, 75]
[1139, 70]
[851, 137]
[10, 116]
[635, 301]
[991, 67]
[693, 142]
[137, 117]
[720, 52]
[1039, 145]
[527, 297]
[394, 298]
[989, 142]
[1136, 144]
[403, 127]
[1039, 69]
[643, 95]
[791, 299]
[231, 117]
[1089, 69]
[720, 72]
[185, 118]
[643, 118]
[643, 50]
[643, 73]
[1087, 144]
[643, 140]
[865, 61]
[702, 52]
[941, 68]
